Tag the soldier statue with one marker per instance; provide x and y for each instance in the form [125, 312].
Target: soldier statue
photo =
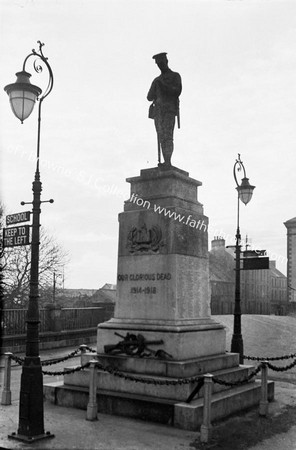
[164, 93]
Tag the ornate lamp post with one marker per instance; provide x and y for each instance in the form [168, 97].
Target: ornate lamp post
[22, 96]
[245, 192]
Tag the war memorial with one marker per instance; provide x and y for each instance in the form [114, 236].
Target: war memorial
[162, 338]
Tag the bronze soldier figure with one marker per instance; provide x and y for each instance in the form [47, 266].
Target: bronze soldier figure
[164, 93]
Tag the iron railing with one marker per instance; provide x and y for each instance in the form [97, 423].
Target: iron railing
[13, 321]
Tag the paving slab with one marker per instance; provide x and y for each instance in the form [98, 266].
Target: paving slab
[73, 431]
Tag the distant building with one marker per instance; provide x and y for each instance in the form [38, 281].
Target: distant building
[222, 278]
[278, 302]
[262, 291]
[105, 297]
[74, 298]
[256, 291]
[70, 293]
[106, 294]
[291, 266]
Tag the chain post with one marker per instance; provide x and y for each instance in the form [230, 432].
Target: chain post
[206, 427]
[263, 405]
[92, 407]
[82, 348]
[6, 393]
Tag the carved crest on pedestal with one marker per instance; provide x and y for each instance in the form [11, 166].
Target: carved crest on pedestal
[144, 239]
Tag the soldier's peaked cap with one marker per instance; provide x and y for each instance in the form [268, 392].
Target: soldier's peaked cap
[159, 56]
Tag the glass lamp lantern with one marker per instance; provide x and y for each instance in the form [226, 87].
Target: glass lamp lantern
[22, 95]
[245, 191]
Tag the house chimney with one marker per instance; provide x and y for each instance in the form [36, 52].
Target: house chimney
[218, 243]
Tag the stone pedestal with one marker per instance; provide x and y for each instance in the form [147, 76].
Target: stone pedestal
[162, 294]
[163, 274]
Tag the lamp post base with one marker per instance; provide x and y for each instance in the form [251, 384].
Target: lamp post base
[31, 410]
[29, 439]
[237, 346]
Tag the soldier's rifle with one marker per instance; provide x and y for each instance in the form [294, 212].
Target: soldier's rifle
[131, 344]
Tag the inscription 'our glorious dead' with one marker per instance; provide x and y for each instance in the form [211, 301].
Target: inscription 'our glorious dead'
[144, 277]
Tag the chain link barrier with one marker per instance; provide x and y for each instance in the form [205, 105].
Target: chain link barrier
[275, 358]
[67, 371]
[157, 382]
[17, 359]
[238, 382]
[139, 379]
[196, 390]
[109, 369]
[90, 349]
[281, 369]
[49, 362]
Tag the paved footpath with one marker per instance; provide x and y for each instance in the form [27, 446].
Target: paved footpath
[73, 431]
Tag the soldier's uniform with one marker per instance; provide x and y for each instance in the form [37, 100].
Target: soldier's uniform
[164, 93]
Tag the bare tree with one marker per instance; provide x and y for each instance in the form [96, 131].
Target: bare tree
[1, 273]
[16, 270]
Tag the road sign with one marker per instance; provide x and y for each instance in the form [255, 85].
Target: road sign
[253, 253]
[261, 252]
[18, 217]
[16, 236]
[255, 263]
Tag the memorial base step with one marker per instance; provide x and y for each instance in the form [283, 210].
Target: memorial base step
[178, 414]
[167, 367]
[154, 386]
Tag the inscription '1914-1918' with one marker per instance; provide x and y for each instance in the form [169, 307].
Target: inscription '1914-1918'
[144, 277]
[143, 290]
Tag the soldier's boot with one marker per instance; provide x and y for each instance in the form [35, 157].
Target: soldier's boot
[167, 151]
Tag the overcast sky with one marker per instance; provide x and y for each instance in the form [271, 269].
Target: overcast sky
[237, 60]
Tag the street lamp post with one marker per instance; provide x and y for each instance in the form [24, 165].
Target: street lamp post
[245, 192]
[22, 96]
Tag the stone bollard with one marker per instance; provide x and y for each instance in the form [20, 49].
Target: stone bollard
[206, 428]
[263, 405]
[92, 406]
[6, 393]
[82, 348]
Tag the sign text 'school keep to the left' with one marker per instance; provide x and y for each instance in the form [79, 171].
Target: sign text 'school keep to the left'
[16, 236]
